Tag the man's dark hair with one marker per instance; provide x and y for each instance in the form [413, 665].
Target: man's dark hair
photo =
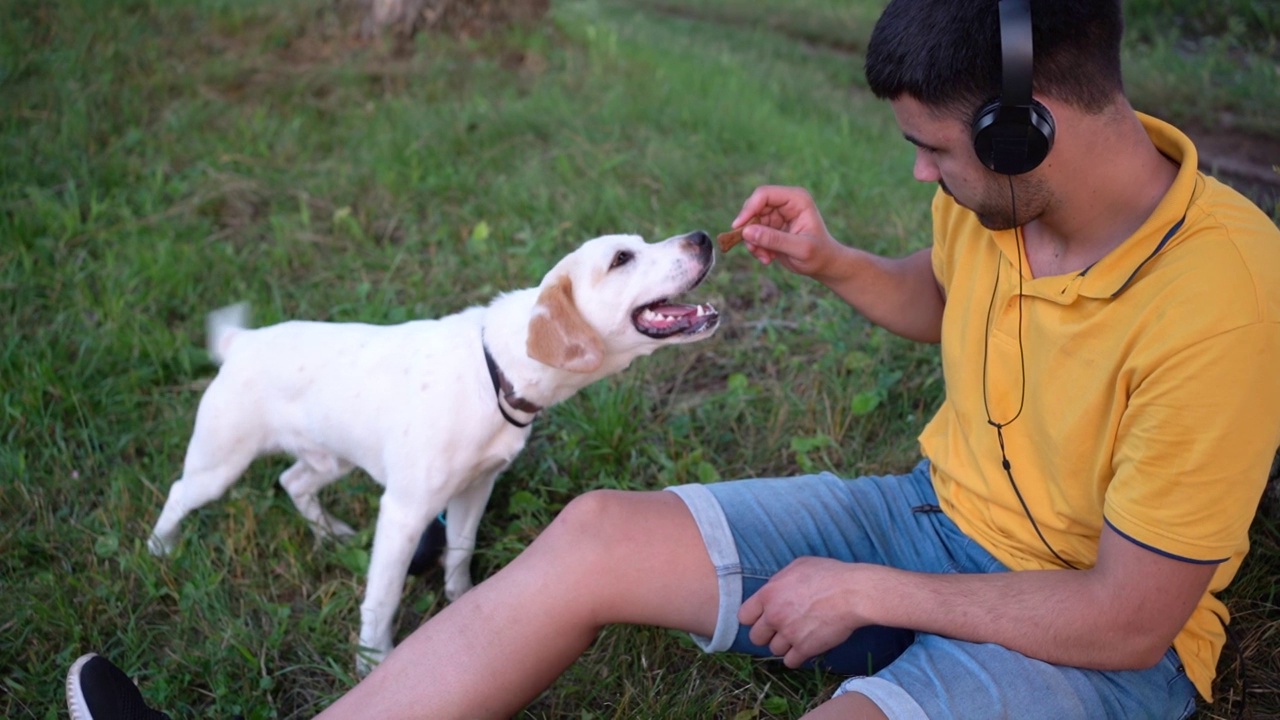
[946, 53]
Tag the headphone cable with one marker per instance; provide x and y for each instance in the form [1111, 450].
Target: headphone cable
[1232, 641]
[1022, 394]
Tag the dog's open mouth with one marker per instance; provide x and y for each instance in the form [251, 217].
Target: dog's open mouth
[664, 319]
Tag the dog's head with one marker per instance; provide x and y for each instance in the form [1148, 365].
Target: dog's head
[611, 300]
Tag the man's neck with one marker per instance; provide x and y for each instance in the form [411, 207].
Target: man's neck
[1108, 182]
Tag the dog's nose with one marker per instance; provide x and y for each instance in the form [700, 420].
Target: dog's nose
[700, 243]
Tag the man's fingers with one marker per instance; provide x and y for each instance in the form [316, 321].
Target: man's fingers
[754, 206]
[751, 614]
[750, 611]
[777, 242]
[764, 256]
[794, 658]
[761, 634]
[747, 213]
[770, 197]
[779, 646]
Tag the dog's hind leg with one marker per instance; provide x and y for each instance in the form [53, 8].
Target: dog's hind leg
[203, 481]
[304, 480]
[223, 443]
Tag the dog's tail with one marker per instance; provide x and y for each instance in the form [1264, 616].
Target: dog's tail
[222, 326]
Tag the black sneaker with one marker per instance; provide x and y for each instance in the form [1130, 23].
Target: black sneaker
[98, 690]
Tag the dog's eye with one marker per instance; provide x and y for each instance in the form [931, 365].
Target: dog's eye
[622, 257]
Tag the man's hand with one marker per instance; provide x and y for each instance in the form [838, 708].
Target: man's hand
[1121, 614]
[785, 226]
[804, 610]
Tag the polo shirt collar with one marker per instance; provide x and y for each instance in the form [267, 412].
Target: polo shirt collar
[1119, 269]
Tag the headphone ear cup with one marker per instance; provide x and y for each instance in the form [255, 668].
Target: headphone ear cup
[1013, 140]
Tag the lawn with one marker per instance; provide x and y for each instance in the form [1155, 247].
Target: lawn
[164, 159]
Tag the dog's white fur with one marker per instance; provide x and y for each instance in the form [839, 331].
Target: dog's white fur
[414, 405]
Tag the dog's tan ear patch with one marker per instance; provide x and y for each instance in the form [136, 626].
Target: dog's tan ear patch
[558, 334]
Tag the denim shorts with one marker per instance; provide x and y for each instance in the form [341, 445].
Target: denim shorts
[754, 528]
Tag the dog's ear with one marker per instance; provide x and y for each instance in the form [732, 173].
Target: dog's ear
[558, 334]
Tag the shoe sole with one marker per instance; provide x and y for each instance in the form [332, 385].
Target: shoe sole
[76, 704]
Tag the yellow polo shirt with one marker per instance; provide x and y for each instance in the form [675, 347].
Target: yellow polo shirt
[1152, 388]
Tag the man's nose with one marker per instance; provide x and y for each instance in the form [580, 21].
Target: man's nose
[925, 169]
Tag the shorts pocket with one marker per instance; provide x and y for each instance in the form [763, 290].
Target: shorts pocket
[1180, 687]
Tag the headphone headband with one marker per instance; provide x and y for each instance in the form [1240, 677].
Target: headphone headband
[1013, 133]
[1015, 53]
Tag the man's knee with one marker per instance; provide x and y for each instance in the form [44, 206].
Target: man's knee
[638, 557]
[848, 705]
[609, 531]
[589, 514]
[595, 525]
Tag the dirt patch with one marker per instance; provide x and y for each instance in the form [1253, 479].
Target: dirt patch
[402, 19]
[471, 18]
[1249, 163]
[331, 31]
[295, 51]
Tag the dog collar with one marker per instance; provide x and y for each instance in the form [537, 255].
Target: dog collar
[505, 391]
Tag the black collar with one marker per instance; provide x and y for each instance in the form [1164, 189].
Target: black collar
[505, 391]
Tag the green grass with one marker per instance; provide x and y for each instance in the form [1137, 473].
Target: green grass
[1252, 24]
[163, 159]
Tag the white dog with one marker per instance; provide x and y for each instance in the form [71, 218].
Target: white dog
[432, 410]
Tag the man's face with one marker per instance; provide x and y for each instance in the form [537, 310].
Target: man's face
[944, 154]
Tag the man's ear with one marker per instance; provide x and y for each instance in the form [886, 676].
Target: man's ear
[558, 334]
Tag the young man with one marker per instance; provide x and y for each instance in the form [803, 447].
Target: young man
[1108, 321]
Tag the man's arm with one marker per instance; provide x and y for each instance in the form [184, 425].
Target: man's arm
[1121, 614]
[899, 294]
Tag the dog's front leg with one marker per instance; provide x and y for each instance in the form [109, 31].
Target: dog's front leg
[463, 520]
[399, 526]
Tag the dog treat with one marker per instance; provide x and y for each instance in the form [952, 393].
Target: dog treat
[727, 240]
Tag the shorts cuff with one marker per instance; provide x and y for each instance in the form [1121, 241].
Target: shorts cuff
[892, 700]
[723, 551]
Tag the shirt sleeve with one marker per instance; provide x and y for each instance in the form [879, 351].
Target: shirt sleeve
[1195, 446]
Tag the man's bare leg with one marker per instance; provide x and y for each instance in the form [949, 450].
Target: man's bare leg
[610, 557]
[850, 706]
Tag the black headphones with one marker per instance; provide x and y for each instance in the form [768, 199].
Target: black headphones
[1013, 133]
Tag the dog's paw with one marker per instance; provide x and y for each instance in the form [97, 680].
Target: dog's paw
[455, 590]
[158, 546]
[367, 659]
[332, 529]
